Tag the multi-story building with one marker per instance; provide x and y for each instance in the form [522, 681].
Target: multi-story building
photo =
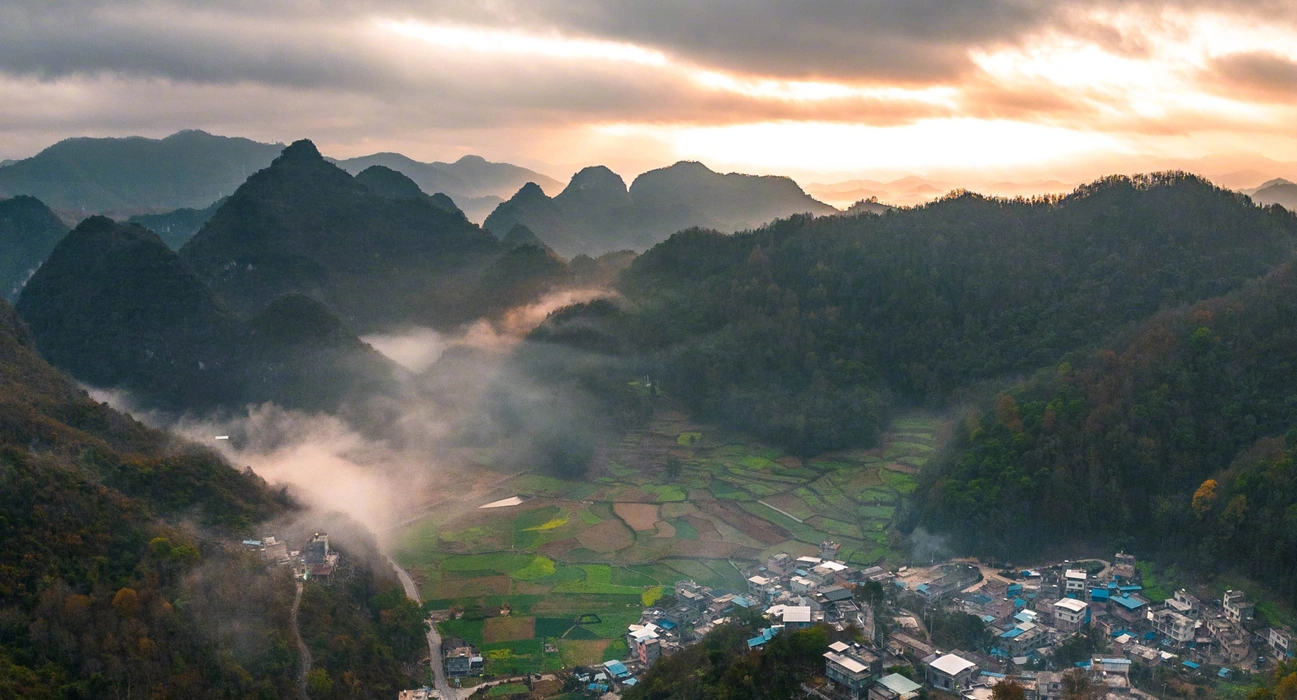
[1281, 642]
[1186, 604]
[462, 659]
[852, 667]
[950, 672]
[1173, 626]
[1074, 583]
[1071, 614]
[1237, 607]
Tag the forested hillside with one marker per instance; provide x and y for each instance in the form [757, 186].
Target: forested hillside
[807, 332]
[1118, 445]
[28, 232]
[116, 308]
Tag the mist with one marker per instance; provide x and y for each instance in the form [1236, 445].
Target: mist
[463, 404]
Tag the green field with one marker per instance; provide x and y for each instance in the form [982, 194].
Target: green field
[567, 552]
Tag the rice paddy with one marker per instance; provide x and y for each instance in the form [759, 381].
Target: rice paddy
[569, 564]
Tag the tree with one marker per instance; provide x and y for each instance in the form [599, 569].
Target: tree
[1204, 498]
[1077, 685]
[1008, 690]
[318, 682]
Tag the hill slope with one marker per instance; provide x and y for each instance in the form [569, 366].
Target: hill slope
[1116, 445]
[807, 331]
[28, 233]
[187, 169]
[177, 226]
[596, 213]
[305, 226]
[116, 308]
[1279, 192]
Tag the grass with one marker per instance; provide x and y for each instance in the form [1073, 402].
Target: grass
[598, 580]
[470, 631]
[553, 627]
[590, 518]
[879, 512]
[1153, 587]
[582, 652]
[507, 689]
[901, 483]
[651, 596]
[688, 439]
[509, 629]
[525, 567]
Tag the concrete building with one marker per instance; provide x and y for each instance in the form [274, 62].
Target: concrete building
[1074, 583]
[645, 643]
[462, 659]
[794, 617]
[1281, 642]
[1131, 609]
[1123, 566]
[894, 687]
[1071, 614]
[1049, 685]
[1237, 607]
[1185, 604]
[1174, 626]
[852, 667]
[951, 672]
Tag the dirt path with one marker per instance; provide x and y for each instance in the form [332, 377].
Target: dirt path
[302, 651]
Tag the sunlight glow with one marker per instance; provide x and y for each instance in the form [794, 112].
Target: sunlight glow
[510, 42]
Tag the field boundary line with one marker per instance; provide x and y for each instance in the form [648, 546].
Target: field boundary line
[782, 512]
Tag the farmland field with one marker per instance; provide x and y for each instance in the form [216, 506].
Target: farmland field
[576, 561]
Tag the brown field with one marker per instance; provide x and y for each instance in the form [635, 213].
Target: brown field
[509, 629]
[707, 531]
[790, 462]
[640, 516]
[558, 548]
[902, 468]
[580, 652]
[472, 587]
[750, 525]
[607, 536]
[676, 510]
[665, 529]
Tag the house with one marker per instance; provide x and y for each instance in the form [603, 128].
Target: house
[1123, 566]
[462, 659]
[1071, 614]
[1131, 609]
[645, 643]
[1074, 583]
[901, 643]
[779, 565]
[764, 635]
[1185, 604]
[894, 687]
[1237, 608]
[794, 617]
[826, 572]
[1020, 639]
[852, 667]
[800, 584]
[1281, 642]
[950, 672]
[1049, 685]
[1179, 629]
[1112, 672]
[761, 587]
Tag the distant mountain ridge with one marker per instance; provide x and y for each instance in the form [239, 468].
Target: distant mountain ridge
[597, 213]
[305, 226]
[187, 169]
[1277, 191]
[192, 169]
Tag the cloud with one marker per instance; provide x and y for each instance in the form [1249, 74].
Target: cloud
[1258, 74]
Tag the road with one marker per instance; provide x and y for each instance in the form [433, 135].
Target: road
[434, 638]
[302, 651]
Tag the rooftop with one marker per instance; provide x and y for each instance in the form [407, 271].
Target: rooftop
[1071, 604]
[898, 684]
[952, 665]
[846, 662]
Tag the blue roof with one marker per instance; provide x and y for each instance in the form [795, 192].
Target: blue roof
[631, 681]
[991, 674]
[1098, 594]
[597, 687]
[1150, 635]
[742, 602]
[1128, 602]
[988, 619]
[1118, 633]
[1190, 664]
[1083, 664]
[667, 625]
[980, 599]
[1024, 617]
[921, 588]
[1011, 634]
[899, 584]
[1131, 589]
[1223, 672]
[1014, 587]
[756, 642]
[617, 668]
[1019, 603]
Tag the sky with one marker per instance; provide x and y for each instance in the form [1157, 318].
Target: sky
[818, 89]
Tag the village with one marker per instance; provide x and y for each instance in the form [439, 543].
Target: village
[1032, 619]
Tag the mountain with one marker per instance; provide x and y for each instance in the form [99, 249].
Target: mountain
[176, 227]
[94, 555]
[116, 308]
[1118, 444]
[474, 182]
[187, 169]
[867, 206]
[391, 184]
[1281, 192]
[596, 213]
[28, 233]
[305, 226]
[809, 331]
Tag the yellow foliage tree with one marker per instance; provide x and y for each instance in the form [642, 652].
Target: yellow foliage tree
[1204, 498]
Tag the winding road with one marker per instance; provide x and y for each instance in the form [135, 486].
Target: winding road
[302, 651]
[434, 638]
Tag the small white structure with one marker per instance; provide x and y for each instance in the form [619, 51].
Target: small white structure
[1070, 613]
[950, 672]
[1075, 582]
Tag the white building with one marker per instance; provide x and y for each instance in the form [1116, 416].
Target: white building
[1237, 607]
[950, 672]
[1070, 614]
[1174, 626]
[1075, 582]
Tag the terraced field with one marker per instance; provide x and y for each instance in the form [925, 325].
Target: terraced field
[576, 562]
